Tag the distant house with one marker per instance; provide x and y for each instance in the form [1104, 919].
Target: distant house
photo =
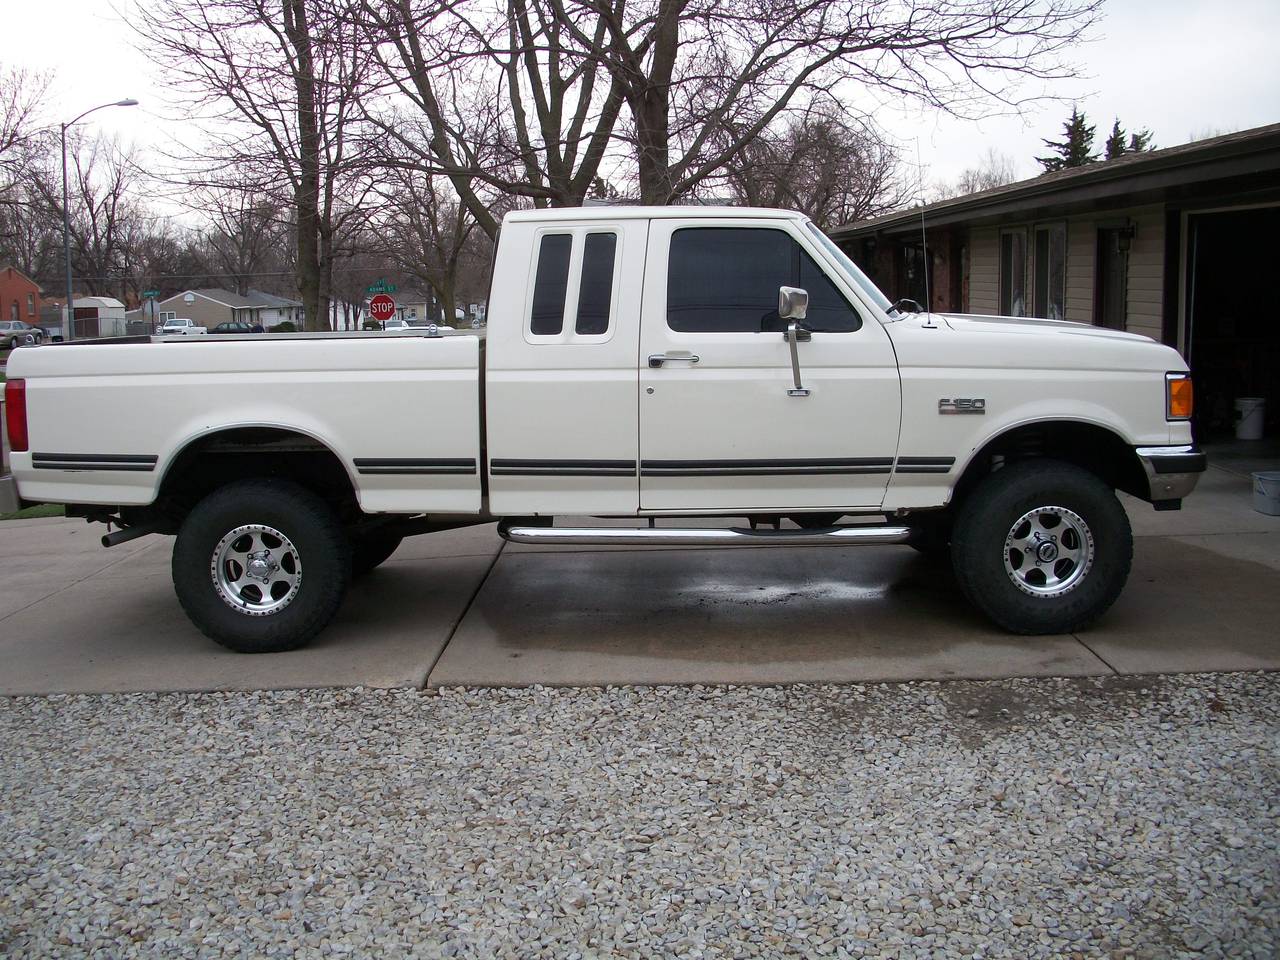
[209, 307]
[19, 296]
[1176, 244]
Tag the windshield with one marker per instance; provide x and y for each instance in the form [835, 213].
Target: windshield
[851, 270]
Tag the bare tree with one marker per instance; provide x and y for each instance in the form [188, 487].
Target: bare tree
[22, 94]
[246, 232]
[505, 99]
[426, 232]
[820, 164]
[995, 169]
[280, 81]
[703, 79]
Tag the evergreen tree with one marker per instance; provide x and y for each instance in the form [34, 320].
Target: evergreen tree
[1115, 142]
[1119, 142]
[1075, 150]
[1140, 142]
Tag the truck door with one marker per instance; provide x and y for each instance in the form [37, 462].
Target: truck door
[561, 383]
[722, 425]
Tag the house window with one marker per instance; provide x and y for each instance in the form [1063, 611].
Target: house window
[1050, 286]
[1013, 273]
[168, 315]
[31, 304]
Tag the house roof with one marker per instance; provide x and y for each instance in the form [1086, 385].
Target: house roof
[1134, 178]
[260, 299]
[10, 268]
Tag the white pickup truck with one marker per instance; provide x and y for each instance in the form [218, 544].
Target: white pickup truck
[686, 363]
[180, 326]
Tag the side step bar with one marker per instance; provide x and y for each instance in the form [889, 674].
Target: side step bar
[846, 536]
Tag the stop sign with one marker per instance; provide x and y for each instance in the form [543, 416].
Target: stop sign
[382, 308]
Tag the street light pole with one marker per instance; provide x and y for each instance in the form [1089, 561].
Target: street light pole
[69, 322]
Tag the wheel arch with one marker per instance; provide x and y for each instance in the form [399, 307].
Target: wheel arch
[221, 455]
[1092, 446]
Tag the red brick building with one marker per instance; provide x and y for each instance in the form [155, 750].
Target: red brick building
[19, 296]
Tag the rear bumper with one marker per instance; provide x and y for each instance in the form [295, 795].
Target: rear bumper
[1172, 472]
[9, 501]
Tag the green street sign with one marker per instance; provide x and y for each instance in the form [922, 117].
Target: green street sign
[150, 294]
[380, 286]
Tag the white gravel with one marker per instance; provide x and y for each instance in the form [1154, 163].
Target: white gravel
[1056, 818]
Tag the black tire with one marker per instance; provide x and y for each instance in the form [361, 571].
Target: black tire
[371, 551]
[323, 565]
[931, 536]
[985, 526]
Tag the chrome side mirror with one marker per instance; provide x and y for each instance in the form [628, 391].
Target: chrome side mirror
[793, 303]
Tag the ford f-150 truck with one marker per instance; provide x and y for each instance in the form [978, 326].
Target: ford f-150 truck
[687, 363]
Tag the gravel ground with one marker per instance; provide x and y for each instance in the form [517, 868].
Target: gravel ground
[1020, 819]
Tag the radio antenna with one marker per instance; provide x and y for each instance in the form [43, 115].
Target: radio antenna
[924, 237]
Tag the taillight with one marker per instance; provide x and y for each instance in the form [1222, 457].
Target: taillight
[1178, 396]
[15, 414]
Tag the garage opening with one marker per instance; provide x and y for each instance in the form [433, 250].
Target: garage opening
[1233, 319]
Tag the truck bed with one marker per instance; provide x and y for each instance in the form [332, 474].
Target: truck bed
[402, 412]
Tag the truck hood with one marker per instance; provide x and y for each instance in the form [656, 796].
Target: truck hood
[974, 323]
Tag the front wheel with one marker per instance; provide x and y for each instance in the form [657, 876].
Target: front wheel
[1042, 547]
[261, 566]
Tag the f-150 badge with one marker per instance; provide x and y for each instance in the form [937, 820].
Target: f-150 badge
[976, 405]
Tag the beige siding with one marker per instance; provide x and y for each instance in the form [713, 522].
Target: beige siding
[1145, 304]
[984, 271]
[204, 312]
[1082, 246]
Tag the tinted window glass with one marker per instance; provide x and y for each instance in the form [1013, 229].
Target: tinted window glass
[596, 289]
[828, 309]
[550, 284]
[726, 279]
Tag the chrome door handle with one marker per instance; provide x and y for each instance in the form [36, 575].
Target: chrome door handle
[658, 359]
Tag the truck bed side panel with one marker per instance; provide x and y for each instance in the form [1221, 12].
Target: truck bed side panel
[402, 414]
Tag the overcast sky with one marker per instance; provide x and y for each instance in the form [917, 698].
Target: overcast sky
[1183, 68]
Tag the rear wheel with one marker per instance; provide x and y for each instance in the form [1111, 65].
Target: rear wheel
[261, 566]
[1042, 547]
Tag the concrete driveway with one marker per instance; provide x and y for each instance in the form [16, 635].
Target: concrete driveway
[459, 608]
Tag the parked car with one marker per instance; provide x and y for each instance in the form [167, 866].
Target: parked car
[182, 327]
[237, 326]
[15, 333]
[642, 363]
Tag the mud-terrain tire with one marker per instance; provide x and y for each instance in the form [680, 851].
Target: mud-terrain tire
[261, 566]
[1042, 547]
[372, 550]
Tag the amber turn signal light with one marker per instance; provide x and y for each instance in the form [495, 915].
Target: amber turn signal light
[1179, 393]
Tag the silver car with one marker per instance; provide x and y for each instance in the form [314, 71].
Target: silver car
[15, 333]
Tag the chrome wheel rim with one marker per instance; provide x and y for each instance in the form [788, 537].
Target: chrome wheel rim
[256, 570]
[1048, 551]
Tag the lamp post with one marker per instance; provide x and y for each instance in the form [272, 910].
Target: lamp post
[69, 322]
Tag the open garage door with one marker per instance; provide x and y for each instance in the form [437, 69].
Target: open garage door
[1233, 315]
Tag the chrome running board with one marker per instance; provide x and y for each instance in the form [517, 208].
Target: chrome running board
[847, 536]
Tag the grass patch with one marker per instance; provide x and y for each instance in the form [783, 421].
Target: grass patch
[33, 513]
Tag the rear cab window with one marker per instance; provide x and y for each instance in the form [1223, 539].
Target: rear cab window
[574, 280]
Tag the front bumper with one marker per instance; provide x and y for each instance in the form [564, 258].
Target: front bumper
[9, 500]
[1172, 472]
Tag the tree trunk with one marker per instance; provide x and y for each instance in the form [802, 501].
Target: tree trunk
[651, 107]
[307, 193]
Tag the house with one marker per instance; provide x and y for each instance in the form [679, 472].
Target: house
[19, 296]
[211, 306]
[1175, 244]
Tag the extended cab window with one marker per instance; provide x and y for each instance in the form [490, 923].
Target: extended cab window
[550, 284]
[726, 280]
[561, 269]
